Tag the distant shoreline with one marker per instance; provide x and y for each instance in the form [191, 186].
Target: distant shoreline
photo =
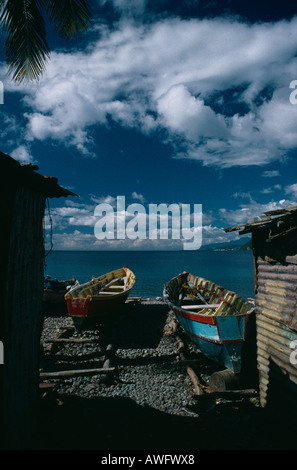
[204, 249]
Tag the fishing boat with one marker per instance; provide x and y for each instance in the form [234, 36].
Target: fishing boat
[100, 298]
[54, 290]
[213, 317]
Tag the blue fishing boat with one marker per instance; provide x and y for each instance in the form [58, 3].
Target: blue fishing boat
[213, 317]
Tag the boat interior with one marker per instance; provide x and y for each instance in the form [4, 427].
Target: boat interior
[113, 283]
[199, 295]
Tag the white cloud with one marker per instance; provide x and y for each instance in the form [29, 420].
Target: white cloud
[270, 173]
[22, 154]
[213, 234]
[74, 224]
[183, 113]
[104, 200]
[292, 190]
[138, 197]
[131, 8]
[174, 75]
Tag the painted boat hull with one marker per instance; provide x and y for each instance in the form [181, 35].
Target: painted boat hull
[55, 297]
[220, 338]
[54, 290]
[83, 304]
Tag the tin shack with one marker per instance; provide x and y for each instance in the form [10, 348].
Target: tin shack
[274, 243]
[23, 197]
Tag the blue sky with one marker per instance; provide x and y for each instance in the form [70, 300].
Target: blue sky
[163, 102]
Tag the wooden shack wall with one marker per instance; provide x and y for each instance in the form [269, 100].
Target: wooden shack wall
[20, 319]
[276, 306]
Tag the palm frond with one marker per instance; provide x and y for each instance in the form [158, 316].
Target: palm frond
[69, 16]
[27, 51]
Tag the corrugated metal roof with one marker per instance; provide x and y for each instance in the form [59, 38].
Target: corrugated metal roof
[265, 221]
[26, 175]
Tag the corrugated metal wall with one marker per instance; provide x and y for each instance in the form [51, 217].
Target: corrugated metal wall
[274, 242]
[276, 302]
[22, 319]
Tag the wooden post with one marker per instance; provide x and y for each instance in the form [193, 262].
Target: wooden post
[191, 373]
[109, 352]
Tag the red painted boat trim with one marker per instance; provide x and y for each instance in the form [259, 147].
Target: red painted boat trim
[211, 320]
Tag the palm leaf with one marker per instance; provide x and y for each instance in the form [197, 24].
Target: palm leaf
[27, 51]
[69, 16]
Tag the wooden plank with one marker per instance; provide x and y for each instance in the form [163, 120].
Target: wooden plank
[117, 287]
[227, 394]
[70, 340]
[116, 279]
[199, 307]
[73, 373]
[106, 293]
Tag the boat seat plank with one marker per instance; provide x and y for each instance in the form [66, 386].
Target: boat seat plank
[117, 287]
[199, 307]
[107, 293]
[111, 282]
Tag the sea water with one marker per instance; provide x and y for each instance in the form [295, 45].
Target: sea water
[231, 269]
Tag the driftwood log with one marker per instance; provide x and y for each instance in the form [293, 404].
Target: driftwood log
[73, 373]
[190, 371]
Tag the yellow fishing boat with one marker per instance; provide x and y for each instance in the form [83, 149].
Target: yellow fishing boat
[101, 297]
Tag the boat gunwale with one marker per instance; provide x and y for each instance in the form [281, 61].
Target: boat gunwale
[210, 318]
[204, 316]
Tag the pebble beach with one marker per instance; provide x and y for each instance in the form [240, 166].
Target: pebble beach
[148, 369]
[147, 401]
